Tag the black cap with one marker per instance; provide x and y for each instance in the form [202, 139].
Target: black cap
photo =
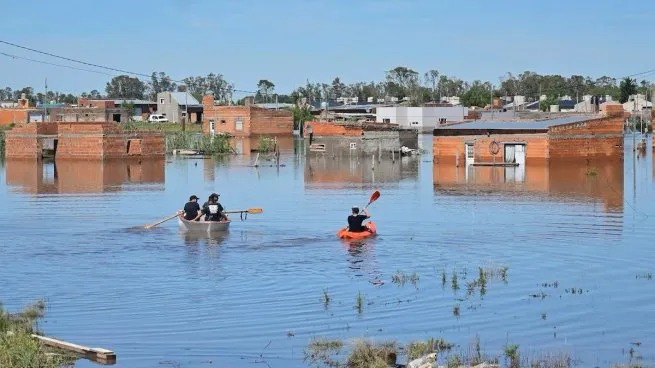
[193, 197]
[214, 195]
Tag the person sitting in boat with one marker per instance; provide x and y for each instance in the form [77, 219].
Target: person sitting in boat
[355, 220]
[192, 210]
[213, 210]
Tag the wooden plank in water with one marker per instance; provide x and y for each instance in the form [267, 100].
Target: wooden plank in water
[503, 164]
[99, 355]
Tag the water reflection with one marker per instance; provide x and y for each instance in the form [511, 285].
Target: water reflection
[362, 260]
[249, 145]
[201, 238]
[327, 171]
[82, 176]
[572, 179]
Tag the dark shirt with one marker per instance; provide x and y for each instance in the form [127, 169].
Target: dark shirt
[191, 210]
[355, 223]
[212, 213]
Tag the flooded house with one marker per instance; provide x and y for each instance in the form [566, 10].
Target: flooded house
[358, 138]
[244, 121]
[423, 118]
[514, 143]
[85, 136]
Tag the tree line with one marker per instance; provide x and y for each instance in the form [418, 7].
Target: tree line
[402, 82]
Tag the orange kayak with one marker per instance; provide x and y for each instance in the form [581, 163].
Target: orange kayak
[343, 233]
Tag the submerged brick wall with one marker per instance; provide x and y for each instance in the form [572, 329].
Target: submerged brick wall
[589, 139]
[87, 140]
[451, 149]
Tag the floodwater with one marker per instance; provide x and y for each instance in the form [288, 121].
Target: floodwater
[576, 239]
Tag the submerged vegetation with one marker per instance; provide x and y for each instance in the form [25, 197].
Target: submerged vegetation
[19, 349]
[2, 138]
[208, 144]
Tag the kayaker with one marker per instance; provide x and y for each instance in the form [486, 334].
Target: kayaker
[192, 209]
[213, 210]
[355, 220]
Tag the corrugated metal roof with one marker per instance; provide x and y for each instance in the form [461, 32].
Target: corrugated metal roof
[134, 101]
[524, 124]
[185, 98]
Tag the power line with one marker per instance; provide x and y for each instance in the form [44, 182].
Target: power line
[91, 64]
[53, 64]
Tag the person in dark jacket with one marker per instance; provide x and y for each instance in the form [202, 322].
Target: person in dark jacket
[192, 209]
[213, 210]
[356, 219]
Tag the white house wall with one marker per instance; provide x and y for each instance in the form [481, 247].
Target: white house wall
[421, 117]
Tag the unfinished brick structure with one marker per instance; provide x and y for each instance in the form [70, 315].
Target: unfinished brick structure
[86, 140]
[244, 121]
[358, 138]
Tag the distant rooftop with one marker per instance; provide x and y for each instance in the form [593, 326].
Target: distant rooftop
[133, 101]
[521, 124]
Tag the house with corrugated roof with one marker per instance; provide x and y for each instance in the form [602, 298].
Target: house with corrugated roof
[179, 106]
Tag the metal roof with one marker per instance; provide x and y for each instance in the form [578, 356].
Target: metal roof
[134, 101]
[522, 124]
[185, 98]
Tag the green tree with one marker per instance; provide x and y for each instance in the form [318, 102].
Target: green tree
[264, 89]
[337, 88]
[627, 87]
[477, 95]
[160, 82]
[431, 78]
[550, 100]
[124, 86]
[199, 86]
[300, 114]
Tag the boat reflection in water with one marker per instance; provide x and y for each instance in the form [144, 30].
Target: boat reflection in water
[84, 176]
[569, 180]
[327, 171]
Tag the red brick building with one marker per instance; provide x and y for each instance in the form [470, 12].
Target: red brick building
[244, 121]
[515, 143]
[86, 140]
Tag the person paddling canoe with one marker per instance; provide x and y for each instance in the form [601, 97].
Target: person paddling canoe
[356, 219]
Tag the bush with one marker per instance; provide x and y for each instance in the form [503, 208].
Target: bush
[19, 349]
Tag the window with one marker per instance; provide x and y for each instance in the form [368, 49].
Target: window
[386, 121]
[161, 101]
[414, 122]
[469, 151]
[222, 121]
[238, 124]
[184, 114]
[353, 145]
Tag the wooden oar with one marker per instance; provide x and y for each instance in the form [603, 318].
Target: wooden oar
[249, 210]
[149, 226]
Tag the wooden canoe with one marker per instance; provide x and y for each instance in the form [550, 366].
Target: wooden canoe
[203, 226]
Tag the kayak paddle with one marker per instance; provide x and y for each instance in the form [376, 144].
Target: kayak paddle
[374, 197]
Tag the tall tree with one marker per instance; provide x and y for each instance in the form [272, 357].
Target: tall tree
[265, 88]
[402, 82]
[199, 86]
[338, 87]
[627, 87]
[431, 78]
[160, 82]
[124, 86]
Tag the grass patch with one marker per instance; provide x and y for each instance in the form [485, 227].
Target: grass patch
[323, 352]
[366, 354]
[216, 144]
[19, 349]
[402, 278]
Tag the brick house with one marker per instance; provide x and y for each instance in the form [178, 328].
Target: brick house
[515, 143]
[244, 121]
[87, 140]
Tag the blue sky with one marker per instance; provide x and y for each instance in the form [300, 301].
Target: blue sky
[288, 42]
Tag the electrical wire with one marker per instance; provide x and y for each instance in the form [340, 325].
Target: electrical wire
[89, 64]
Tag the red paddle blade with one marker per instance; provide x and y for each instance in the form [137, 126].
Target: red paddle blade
[374, 196]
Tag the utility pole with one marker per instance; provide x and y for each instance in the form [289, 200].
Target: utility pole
[539, 97]
[186, 109]
[45, 99]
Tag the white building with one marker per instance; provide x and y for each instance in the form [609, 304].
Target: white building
[636, 103]
[423, 118]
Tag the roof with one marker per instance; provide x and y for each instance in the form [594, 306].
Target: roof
[185, 98]
[134, 101]
[510, 125]
[274, 105]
